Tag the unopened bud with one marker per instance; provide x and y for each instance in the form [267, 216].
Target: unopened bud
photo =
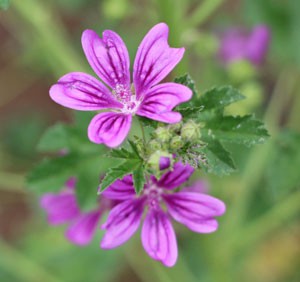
[175, 127]
[154, 145]
[176, 142]
[162, 134]
[158, 160]
[164, 163]
[190, 131]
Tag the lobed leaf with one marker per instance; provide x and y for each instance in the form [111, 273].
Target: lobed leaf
[239, 129]
[118, 172]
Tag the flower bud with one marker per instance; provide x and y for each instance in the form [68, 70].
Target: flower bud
[190, 131]
[176, 142]
[175, 127]
[240, 71]
[158, 160]
[163, 134]
[154, 145]
[164, 163]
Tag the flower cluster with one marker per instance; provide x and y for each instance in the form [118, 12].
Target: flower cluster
[147, 184]
[190, 206]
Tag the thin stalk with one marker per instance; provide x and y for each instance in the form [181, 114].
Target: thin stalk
[203, 12]
[143, 133]
[22, 267]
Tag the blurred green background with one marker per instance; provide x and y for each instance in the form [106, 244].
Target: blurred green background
[259, 236]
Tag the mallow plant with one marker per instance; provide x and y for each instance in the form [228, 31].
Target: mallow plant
[140, 177]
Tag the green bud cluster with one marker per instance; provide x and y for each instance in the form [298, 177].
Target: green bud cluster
[171, 138]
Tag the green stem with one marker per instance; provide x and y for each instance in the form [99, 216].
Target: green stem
[22, 267]
[143, 132]
[203, 12]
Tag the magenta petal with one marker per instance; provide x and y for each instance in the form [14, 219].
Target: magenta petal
[195, 210]
[164, 163]
[81, 91]
[161, 99]
[158, 237]
[109, 128]
[60, 208]
[154, 59]
[258, 44]
[82, 229]
[107, 56]
[120, 189]
[122, 222]
[173, 179]
[199, 186]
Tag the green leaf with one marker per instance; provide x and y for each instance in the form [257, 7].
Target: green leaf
[51, 174]
[121, 153]
[211, 104]
[86, 188]
[54, 139]
[139, 179]
[146, 122]
[241, 130]
[219, 97]
[119, 172]
[4, 4]
[218, 159]
[124, 153]
[72, 138]
[284, 162]
[189, 82]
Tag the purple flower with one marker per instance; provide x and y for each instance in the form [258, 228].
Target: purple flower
[194, 210]
[236, 44]
[62, 208]
[108, 57]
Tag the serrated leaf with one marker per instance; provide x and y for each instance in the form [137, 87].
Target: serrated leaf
[123, 153]
[134, 148]
[139, 179]
[189, 82]
[218, 159]
[284, 162]
[219, 97]
[211, 104]
[240, 129]
[118, 172]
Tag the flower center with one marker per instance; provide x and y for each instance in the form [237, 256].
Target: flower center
[153, 194]
[127, 97]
